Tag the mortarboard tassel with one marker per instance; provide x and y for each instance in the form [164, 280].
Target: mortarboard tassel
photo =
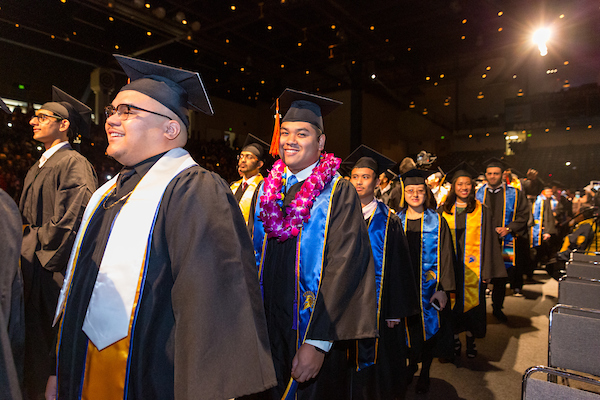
[274, 150]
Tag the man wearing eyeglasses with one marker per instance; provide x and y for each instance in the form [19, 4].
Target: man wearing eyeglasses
[161, 298]
[245, 191]
[55, 192]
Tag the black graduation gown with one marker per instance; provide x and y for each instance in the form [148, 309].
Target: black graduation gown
[492, 266]
[345, 307]
[52, 204]
[12, 324]
[443, 338]
[399, 299]
[200, 332]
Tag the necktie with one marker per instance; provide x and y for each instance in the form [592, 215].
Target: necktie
[43, 160]
[124, 176]
[240, 191]
[290, 181]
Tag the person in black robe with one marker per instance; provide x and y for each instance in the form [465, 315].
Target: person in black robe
[478, 248]
[338, 304]
[55, 192]
[514, 225]
[544, 231]
[430, 332]
[251, 160]
[379, 364]
[198, 328]
[12, 324]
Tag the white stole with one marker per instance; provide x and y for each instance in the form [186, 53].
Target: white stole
[125, 257]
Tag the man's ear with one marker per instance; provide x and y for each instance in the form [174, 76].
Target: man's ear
[322, 142]
[173, 129]
[64, 125]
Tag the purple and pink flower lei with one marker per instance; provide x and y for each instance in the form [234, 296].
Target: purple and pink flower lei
[298, 212]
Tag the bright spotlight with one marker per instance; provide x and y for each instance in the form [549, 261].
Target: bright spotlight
[373, 76]
[540, 37]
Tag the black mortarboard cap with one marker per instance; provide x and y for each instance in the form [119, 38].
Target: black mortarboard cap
[68, 107]
[462, 169]
[496, 162]
[366, 157]
[177, 89]
[256, 146]
[416, 176]
[305, 107]
[4, 107]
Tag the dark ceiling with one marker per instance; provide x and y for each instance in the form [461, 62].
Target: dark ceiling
[254, 51]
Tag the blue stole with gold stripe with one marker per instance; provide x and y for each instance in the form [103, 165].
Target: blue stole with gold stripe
[537, 230]
[430, 254]
[310, 253]
[510, 205]
[367, 349]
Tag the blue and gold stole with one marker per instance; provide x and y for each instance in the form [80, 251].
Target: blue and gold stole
[537, 229]
[429, 268]
[310, 253]
[511, 196]
[470, 256]
[367, 349]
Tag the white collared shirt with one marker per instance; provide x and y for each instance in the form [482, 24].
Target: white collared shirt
[495, 190]
[369, 208]
[385, 189]
[251, 179]
[50, 152]
[302, 175]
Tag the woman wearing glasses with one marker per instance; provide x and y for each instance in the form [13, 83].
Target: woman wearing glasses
[430, 246]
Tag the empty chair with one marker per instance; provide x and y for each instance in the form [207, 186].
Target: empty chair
[585, 257]
[579, 292]
[537, 389]
[583, 270]
[574, 339]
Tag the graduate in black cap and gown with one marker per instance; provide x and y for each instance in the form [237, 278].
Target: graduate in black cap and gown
[379, 365]
[12, 324]
[161, 298]
[510, 214]
[478, 256]
[430, 244]
[55, 193]
[314, 258]
[544, 230]
[250, 160]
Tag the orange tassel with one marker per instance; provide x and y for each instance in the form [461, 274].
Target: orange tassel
[274, 151]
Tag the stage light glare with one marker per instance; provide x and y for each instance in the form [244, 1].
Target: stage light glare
[540, 38]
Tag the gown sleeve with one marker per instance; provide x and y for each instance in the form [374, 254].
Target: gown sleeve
[519, 224]
[493, 263]
[221, 348]
[52, 241]
[446, 262]
[400, 293]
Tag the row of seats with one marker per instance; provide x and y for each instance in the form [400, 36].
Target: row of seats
[573, 337]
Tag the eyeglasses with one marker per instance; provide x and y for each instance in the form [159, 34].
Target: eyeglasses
[123, 111]
[419, 192]
[248, 157]
[44, 117]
